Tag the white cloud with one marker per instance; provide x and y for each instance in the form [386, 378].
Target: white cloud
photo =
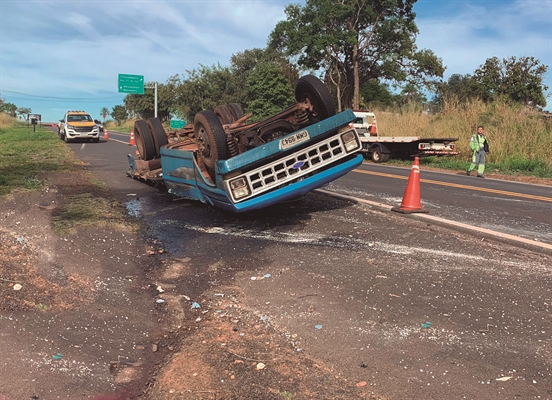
[479, 30]
[71, 49]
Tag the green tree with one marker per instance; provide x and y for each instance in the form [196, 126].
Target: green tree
[23, 111]
[119, 114]
[269, 90]
[143, 105]
[244, 63]
[375, 94]
[10, 108]
[203, 89]
[207, 87]
[521, 80]
[104, 112]
[356, 41]
[458, 89]
[410, 93]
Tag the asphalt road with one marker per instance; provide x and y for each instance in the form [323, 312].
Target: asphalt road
[512, 208]
[415, 309]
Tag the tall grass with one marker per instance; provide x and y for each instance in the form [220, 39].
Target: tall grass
[125, 126]
[520, 139]
[6, 120]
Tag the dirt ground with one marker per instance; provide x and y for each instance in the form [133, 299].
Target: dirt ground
[88, 314]
[83, 316]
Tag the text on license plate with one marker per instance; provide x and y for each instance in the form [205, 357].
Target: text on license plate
[292, 140]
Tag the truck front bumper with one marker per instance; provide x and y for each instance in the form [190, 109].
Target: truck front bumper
[91, 134]
[294, 190]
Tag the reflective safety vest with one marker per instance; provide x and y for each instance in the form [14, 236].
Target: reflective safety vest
[477, 142]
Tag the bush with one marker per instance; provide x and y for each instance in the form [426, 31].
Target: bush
[520, 164]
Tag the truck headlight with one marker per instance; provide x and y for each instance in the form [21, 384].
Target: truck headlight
[239, 188]
[70, 127]
[350, 141]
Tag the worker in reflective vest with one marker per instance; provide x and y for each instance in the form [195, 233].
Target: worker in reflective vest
[480, 147]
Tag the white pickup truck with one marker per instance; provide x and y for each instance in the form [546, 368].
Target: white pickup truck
[78, 125]
[382, 148]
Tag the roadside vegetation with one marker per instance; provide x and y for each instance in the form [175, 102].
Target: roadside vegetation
[26, 156]
[32, 161]
[520, 138]
[366, 54]
[122, 126]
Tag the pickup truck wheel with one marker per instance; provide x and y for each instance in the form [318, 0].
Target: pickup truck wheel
[66, 139]
[210, 139]
[236, 111]
[310, 90]
[144, 140]
[224, 115]
[377, 155]
[158, 133]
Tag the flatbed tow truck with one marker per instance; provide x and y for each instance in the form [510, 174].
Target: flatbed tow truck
[381, 148]
[225, 162]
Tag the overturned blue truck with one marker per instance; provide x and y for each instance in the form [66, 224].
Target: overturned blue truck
[223, 161]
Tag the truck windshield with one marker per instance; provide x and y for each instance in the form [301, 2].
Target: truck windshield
[75, 118]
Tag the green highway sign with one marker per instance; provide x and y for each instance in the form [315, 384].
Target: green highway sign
[177, 124]
[133, 84]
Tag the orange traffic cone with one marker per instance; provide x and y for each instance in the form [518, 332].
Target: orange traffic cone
[106, 136]
[411, 200]
[373, 129]
[132, 140]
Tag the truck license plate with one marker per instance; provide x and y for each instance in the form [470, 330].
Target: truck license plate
[294, 139]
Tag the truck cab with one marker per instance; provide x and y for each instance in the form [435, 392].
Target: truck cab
[365, 123]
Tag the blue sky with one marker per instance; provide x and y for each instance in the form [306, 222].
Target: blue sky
[58, 55]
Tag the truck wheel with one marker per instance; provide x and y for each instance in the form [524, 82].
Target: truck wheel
[224, 115]
[144, 140]
[377, 155]
[158, 133]
[66, 139]
[309, 89]
[236, 111]
[210, 139]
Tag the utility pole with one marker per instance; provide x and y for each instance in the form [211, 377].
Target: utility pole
[155, 96]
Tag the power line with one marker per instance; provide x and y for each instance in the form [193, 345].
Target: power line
[46, 98]
[63, 101]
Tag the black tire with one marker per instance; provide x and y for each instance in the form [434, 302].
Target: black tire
[66, 139]
[210, 139]
[144, 140]
[158, 133]
[96, 140]
[224, 115]
[309, 89]
[377, 155]
[385, 157]
[236, 111]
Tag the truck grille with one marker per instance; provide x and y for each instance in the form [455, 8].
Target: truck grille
[289, 169]
[83, 129]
